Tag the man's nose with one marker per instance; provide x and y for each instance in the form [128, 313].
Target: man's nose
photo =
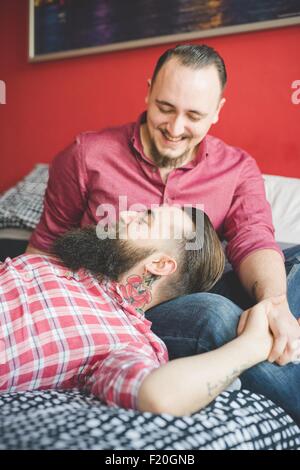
[176, 126]
[127, 216]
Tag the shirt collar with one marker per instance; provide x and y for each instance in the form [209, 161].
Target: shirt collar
[136, 138]
[202, 151]
[202, 154]
[123, 295]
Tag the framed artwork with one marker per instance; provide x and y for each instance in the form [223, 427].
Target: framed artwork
[68, 28]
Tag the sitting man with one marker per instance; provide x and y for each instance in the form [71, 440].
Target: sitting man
[84, 326]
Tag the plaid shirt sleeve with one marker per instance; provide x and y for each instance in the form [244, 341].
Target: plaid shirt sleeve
[116, 381]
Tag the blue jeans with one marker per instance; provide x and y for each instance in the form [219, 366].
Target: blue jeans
[198, 323]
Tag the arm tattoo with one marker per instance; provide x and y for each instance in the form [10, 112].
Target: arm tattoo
[212, 387]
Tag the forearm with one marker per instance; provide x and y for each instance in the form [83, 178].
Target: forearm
[262, 274]
[185, 385]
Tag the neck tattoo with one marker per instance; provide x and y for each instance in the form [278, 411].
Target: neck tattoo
[137, 290]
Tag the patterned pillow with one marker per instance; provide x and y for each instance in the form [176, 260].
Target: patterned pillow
[70, 420]
[22, 205]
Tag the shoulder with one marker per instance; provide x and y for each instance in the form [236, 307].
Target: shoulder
[109, 136]
[28, 259]
[219, 148]
[23, 265]
[105, 146]
[221, 153]
[87, 147]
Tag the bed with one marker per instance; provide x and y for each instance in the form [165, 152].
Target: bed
[55, 419]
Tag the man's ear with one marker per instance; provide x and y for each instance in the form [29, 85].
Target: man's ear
[162, 266]
[148, 92]
[220, 106]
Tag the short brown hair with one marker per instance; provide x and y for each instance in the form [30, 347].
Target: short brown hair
[195, 56]
[201, 267]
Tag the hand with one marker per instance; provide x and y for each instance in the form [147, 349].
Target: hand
[254, 324]
[285, 329]
[286, 332]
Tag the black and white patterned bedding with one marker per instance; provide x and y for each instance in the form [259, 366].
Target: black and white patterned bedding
[70, 420]
[21, 206]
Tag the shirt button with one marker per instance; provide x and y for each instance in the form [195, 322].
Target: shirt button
[68, 274]
[154, 170]
[28, 276]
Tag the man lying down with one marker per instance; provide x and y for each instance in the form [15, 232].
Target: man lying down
[75, 319]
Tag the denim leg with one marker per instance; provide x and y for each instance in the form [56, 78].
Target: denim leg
[292, 253]
[230, 286]
[194, 323]
[279, 384]
[184, 323]
[292, 266]
[197, 323]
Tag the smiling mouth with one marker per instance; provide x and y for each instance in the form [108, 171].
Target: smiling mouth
[172, 139]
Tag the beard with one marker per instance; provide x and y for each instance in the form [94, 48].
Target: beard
[81, 248]
[163, 161]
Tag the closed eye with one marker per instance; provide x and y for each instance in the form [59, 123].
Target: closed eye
[194, 118]
[165, 110]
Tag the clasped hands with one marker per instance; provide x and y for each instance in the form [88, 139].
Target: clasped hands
[274, 315]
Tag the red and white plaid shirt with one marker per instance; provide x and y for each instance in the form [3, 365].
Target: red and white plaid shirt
[60, 329]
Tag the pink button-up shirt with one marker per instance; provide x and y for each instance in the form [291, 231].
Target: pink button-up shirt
[110, 167]
[60, 329]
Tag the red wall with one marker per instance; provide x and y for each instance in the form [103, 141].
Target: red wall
[48, 103]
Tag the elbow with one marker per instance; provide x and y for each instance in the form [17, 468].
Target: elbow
[153, 403]
[148, 402]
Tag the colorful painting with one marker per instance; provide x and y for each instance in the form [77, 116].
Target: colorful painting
[64, 28]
